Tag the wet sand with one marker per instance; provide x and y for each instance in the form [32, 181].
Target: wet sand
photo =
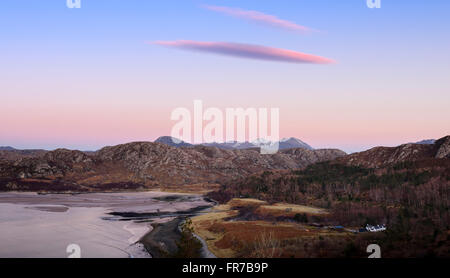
[103, 224]
[161, 241]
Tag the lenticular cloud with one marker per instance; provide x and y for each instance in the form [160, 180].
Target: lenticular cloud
[249, 51]
[260, 17]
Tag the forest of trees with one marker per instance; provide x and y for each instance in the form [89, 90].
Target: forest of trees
[411, 198]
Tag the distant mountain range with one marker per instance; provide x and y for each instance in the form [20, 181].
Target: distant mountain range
[426, 142]
[172, 141]
[287, 143]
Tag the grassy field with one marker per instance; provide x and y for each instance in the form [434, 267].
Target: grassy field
[202, 227]
[283, 209]
[228, 237]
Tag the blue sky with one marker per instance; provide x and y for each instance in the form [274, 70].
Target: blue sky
[63, 66]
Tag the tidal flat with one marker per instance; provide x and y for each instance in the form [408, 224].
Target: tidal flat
[103, 225]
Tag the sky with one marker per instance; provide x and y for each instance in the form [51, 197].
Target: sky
[342, 75]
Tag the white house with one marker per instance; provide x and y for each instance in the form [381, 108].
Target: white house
[377, 228]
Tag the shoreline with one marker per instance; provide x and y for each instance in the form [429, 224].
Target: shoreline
[69, 192]
[161, 241]
[166, 214]
[197, 189]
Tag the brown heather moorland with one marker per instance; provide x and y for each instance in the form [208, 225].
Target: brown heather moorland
[407, 188]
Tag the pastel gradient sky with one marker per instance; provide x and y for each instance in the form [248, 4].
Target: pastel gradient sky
[90, 77]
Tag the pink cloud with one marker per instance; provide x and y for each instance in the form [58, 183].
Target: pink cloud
[248, 51]
[260, 18]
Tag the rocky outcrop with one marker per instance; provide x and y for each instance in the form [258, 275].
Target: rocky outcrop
[49, 164]
[13, 154]
[383, 156]
[443, 147]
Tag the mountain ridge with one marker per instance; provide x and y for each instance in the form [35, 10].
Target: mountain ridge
[382, 156]
[285, 143]
[147, 165]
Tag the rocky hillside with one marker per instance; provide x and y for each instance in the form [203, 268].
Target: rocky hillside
[145, 165]
[383, 156]
[11, 154]
[412, 173]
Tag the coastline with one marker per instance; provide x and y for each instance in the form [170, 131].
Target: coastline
[124, 221]
[162, 240]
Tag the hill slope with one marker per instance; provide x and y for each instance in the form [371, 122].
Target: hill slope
[406, 187]
[145, 164]
[383, 156]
